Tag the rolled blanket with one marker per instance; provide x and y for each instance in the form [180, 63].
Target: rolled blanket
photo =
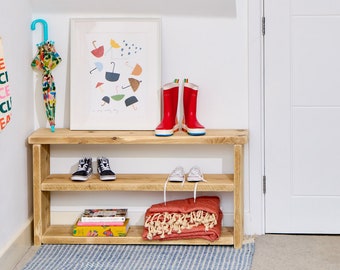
[184, 219]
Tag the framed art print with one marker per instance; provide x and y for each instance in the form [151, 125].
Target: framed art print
[115, 74]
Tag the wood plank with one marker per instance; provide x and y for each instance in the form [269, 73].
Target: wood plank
[41, 200]
[66, 136]
[136, 182]
[62, 234]
[238, 196]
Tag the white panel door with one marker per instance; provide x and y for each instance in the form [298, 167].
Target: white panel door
[302, 116]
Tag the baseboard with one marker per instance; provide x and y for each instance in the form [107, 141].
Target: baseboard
[16, 249]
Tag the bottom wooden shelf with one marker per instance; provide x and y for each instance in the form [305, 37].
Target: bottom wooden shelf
[62, 234]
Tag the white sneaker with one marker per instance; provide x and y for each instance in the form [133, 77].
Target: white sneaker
[177, 175]
[195, 175]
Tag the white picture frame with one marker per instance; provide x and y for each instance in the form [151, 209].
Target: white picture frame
[115, 77]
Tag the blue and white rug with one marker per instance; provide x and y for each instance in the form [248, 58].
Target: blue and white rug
[141, 257]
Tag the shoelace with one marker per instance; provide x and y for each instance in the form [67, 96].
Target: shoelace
[195, 191]
[196, 172]
[82, 165]
[164, 191]
[178, 172]
[104, 165]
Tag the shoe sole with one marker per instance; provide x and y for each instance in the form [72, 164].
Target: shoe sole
[194, 131]
[166, 132]
[107, 178]
[80, 178]
[177, 181]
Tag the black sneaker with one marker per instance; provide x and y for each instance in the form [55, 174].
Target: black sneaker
[84, 170]
[103, 168]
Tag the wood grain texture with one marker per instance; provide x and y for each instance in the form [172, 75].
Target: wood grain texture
[66, 136]
[136, 182]
[62, 234]
[238, 196]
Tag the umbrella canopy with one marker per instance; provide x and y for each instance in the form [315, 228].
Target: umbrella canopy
[46, 60]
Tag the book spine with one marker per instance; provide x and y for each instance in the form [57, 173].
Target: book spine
[102, 219]
[95, 223]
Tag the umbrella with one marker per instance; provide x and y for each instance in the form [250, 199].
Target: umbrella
[97, 52]
[118, 96]
[133, 83]
[112, 76]
[46, 60]
[99, 85]
[98, 66]
[106, 100]
[113, 44]
[131, 101]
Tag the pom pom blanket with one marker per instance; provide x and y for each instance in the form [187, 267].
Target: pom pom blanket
[184, 219]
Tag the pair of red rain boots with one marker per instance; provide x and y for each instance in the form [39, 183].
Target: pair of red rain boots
[169, 123]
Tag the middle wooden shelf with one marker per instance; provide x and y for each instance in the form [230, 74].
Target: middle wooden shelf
[137, 182]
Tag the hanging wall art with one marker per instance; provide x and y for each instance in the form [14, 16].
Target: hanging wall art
[5, 95]
[115, 74]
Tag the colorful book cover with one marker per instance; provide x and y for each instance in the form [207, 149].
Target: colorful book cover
[101, 231]
[106, 215]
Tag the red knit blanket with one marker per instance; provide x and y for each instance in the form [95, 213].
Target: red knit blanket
[184, 219]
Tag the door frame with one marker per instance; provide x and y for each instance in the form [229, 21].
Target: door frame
[256, 116]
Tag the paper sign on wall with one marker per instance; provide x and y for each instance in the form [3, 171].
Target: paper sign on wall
[5, 95]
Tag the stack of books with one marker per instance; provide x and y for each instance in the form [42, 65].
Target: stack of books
[102, 223]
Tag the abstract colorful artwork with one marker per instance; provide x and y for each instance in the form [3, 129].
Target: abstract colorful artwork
[115, 74]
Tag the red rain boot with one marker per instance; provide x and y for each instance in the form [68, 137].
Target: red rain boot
[190, 123]
[169, 122]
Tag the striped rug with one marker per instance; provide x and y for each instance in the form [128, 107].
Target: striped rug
[141, 257]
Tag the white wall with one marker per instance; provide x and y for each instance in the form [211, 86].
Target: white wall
[208, 45]
[211, 43]
[16, 180]
[205, 42]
